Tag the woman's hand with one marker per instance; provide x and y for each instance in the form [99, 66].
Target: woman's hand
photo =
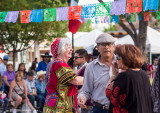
[10, 99]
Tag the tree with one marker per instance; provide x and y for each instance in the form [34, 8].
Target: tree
[16, 36]
[138, 38]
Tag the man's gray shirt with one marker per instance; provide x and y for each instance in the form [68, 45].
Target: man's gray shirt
[96, 78]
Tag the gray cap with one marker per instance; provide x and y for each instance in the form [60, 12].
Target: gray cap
[105, 38]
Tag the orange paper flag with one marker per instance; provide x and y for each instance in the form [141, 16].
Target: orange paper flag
[134, 6]
[25, 16]
[74, 12]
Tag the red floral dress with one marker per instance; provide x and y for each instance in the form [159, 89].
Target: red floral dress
[126, 90]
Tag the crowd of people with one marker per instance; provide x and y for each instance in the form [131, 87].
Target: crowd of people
[114, 79]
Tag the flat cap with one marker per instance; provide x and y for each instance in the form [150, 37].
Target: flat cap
[105, 38]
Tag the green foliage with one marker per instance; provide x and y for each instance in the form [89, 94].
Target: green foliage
[14, 34]
[111, 28]
[85, 27]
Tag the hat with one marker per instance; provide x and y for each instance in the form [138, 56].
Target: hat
[105, 38]
[30, 74]
[40, 73]
[5, 57]
[54, 47]
[46, 55]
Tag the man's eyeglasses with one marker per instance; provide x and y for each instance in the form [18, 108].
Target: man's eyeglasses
[105, 44]
[77, 57]
[118, 57]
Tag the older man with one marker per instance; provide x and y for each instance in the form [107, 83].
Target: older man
[97, 75]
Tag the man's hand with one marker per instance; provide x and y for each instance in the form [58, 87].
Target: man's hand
[82, 101]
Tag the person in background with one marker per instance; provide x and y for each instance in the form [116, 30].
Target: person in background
[43, 64]
[97, 75]
[18, 87]
[81, 58]
[61, 80]
[129, 92]
[41, 87]
[3, 65]
[35, 61]
[152, 68]
[95, 54]
[32, 91]
[1, 60]
[155, 90]
[81, 61]
[8, 77]
[33, 68]
[3, 99]
[22, 68]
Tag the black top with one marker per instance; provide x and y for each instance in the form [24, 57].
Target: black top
[130, 93]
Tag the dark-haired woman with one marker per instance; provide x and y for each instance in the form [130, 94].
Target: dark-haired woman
[22, 68]
[129, 92]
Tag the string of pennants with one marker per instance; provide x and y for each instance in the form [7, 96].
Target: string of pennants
[106, 12]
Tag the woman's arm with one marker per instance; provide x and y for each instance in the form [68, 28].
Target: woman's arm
[6, 81]
[13, 83]
[78, 80]
[25, 88]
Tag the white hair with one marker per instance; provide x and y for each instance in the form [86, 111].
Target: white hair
[63, 45]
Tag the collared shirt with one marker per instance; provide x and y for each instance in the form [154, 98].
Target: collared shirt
[96, 78]
[2, 68]
[40, 86]
[30, 85]
[41, 66]
[78, 67]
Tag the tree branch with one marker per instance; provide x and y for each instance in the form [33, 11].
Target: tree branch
[127, 30]
[133, 28]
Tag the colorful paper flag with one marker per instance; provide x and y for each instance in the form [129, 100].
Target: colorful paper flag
[36, 15]
[118, 7]
[150, 5]
[74, 12]
[50, 14]
[88, 11]
[12, 16]
[158, 15]
[114, 19]
[103, 9]
[25, 16]
[131, 18]
[62, 14]
[134, 6]
[146, 16]
[3, 16]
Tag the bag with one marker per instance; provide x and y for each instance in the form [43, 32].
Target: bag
[23, 96]
[2, 96]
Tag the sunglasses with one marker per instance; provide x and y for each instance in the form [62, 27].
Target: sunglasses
[77, 57]
[118, 57]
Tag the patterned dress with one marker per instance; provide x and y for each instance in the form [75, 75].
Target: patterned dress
[130, 93]
[60, 93]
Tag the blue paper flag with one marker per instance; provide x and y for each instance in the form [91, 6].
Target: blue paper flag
[88, 11]
[36, 15]
[114, 19]
[150, 5]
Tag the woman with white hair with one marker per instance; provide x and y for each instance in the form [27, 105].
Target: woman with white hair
[61, 80]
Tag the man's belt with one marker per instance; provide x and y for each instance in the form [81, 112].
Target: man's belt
[104, 107]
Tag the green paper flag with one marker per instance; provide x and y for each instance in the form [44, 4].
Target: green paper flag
[50, 14]
[103, 9]
[3, 16]
[158, 15]
[132, 18]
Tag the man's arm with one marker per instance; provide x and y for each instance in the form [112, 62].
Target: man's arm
[87, 88]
